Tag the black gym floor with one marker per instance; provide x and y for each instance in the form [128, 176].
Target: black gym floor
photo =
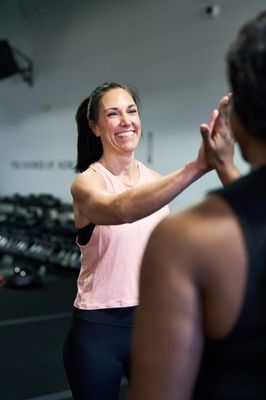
[33, 324]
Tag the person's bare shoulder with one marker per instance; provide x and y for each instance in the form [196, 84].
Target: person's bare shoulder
[205, 246]
[86, 181]
[198, 234]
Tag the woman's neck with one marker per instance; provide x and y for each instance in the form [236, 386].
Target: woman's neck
[125, 168]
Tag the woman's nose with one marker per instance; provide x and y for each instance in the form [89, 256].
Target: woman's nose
[125, 120]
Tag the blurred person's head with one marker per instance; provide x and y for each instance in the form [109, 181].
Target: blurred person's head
[246, 68]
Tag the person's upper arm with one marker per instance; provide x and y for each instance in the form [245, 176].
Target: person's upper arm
[167, 339]
[93, 200]
[97, 205]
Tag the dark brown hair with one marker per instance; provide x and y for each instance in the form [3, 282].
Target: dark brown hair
[246, 68]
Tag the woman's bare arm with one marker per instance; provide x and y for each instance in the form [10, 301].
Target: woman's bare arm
[101, 207]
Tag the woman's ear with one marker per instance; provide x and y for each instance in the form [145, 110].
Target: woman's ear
[93, 127]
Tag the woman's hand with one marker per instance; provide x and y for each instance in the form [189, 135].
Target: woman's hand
[204, 161]
[218, 143]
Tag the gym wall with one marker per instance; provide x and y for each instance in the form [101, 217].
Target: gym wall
[171, 51]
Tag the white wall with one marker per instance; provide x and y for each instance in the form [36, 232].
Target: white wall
[169, 50]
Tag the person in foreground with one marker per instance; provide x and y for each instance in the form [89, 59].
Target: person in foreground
[117, 202]
[200, 328]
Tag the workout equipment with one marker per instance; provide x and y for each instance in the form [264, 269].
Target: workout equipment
[36, 231]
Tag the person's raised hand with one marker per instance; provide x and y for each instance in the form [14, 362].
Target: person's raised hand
[219, 142]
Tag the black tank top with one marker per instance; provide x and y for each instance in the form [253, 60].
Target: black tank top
[234, 368]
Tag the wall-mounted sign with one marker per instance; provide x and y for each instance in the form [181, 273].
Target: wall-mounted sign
[42, 164]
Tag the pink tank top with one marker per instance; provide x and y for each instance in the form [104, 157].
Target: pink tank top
[110, 261]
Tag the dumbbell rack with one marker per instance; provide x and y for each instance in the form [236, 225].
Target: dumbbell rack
[37, 230]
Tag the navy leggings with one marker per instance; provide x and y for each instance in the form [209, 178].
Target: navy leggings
[97, 352]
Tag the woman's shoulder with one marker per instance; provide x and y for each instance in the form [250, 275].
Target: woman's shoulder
[90, 176]
[147, 170]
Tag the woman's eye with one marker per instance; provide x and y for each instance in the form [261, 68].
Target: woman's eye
[132, 111]
[111, 114]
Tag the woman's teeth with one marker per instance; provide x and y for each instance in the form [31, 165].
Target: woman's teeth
[123, 134]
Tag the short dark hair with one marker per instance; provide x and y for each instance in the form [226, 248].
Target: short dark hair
[246, 70]
[89, 146]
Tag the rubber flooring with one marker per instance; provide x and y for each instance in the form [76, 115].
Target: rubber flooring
[33, 325]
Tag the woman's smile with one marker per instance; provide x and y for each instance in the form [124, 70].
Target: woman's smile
[125, 134]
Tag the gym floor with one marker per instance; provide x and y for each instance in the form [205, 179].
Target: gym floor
[33, 325]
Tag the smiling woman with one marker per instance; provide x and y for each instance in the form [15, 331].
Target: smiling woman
[118, 125]
[117, 202]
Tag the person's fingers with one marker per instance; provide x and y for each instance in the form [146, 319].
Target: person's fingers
[222, 121]
[213, 118]
[205, 132]
[223, 107]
